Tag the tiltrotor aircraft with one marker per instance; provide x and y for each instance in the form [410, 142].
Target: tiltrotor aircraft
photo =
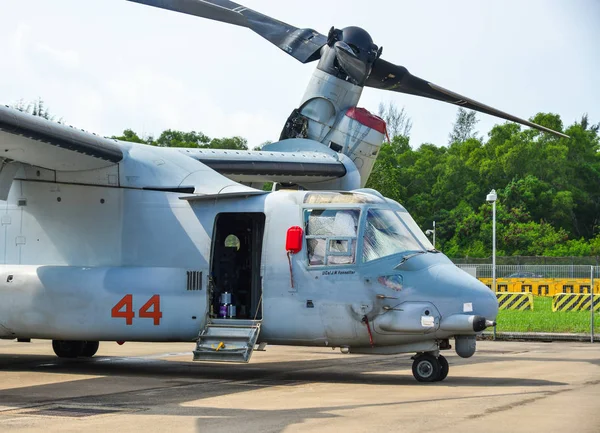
[114, 241]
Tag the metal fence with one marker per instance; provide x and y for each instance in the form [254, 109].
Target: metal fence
[531, 260]
[539, 280]
[577, 285]
[531, 271]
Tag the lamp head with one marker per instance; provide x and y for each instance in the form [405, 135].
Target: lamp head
[492, 196]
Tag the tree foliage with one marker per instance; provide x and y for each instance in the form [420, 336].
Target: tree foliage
[397, 120]
[193, 139]
[464, 127]
[38, 108]
[548, 187]
[131, 136]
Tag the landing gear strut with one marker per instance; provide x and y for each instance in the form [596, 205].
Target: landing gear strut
[74, 349]
[427, 368]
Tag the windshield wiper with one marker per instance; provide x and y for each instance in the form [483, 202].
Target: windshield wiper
[409, 256]
[433, 250]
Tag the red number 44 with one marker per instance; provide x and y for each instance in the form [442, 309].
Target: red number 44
[124, 309]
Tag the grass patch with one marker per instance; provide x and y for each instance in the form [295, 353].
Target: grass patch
[542, 319]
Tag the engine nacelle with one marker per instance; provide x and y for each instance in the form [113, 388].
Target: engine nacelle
[359, 135]
[328, 114]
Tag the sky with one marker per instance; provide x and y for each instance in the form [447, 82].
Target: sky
[108, 65]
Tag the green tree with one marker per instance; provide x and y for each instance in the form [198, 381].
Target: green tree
[193, 139]
[397, 121]
[131, 136]
[549, 200]
[234, 143]
[464, 126]
[173, 138]
[37, 108]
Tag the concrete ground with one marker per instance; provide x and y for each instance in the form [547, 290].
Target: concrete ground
[505, 387]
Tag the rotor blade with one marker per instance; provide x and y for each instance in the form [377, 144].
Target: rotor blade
[302, 44]
[388, 76]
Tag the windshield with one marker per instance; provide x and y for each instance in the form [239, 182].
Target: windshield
[414, 228]
[385, 235]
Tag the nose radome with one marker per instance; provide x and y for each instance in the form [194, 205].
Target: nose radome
[474, 296]
[485, 302]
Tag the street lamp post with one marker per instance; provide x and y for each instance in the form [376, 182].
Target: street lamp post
[431, 232]
[492, 197]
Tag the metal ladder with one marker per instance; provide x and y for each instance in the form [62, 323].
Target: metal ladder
[227, 340]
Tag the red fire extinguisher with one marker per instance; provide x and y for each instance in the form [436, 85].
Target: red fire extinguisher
[293, 245]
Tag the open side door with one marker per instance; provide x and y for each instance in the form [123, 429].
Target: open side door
[235, 290]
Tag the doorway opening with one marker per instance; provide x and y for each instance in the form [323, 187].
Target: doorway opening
[236, 287]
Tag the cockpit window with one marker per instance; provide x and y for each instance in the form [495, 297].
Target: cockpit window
[331, 236]
[414, 228]
[385, 235]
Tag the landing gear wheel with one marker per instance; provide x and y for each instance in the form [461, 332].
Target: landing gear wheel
[426, 368]
[90, 348]
[68, 349]
[444, 368]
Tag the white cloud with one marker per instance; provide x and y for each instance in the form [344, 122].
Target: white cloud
[18, 47]
[64, 58]
[20, 36]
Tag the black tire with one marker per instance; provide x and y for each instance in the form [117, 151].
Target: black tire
[444, 368]
[426, 368]
[90, 348]
[68, 349]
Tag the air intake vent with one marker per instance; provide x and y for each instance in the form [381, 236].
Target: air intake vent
[194, 280]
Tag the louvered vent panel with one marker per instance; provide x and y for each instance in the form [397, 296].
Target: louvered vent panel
[194, 280]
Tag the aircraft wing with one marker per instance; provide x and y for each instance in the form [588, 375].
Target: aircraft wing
[271, 166]
[42, 143]
[39, 142]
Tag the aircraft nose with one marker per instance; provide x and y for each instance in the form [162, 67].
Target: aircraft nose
[485, 302]
[466, 293]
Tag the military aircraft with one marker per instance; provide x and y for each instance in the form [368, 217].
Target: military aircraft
[113, 241]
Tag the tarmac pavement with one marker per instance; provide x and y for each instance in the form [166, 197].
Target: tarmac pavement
[505, 387]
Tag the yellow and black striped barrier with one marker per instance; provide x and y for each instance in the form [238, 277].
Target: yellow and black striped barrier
[515, 301]
[543, 286]
[574, 302]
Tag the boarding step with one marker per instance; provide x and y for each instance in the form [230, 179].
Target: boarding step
[227, 340]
